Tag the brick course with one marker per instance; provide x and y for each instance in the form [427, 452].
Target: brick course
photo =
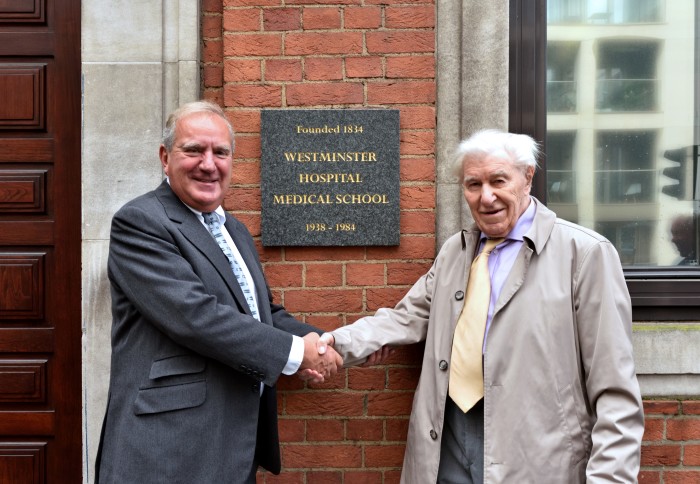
[671, 446]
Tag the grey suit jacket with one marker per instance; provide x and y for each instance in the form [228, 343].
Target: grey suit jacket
[188, 358]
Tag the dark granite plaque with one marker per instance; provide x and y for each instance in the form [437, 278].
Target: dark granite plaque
[330, 177]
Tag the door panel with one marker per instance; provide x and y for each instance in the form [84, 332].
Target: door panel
[40, 324]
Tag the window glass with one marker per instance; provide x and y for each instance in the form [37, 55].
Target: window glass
[604, 11]
[622, 130]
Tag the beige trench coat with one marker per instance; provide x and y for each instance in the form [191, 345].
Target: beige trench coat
[562, 403]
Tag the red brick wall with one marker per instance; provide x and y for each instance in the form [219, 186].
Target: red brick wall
[334, 54]
[671, 448]
[359, 53]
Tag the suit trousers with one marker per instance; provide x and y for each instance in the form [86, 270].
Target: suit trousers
[462, 445]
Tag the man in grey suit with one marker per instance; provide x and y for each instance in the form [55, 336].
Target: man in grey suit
[197, 343]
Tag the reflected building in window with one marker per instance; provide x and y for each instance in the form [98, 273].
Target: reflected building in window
[621, 109]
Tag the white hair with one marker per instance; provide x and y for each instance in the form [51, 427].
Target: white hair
[521, 149]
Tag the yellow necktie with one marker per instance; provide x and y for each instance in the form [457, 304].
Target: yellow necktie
[466, 373]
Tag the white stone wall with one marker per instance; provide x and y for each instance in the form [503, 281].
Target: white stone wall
[140, 59]
[472, 91]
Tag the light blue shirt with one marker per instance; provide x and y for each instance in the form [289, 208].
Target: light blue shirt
[503, 257]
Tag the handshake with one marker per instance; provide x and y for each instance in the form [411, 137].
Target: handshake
[321, 361]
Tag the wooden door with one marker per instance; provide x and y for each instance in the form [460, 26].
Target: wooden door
[40, 324]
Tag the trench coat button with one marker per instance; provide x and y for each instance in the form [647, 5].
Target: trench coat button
[433, 434]
[442, 365]
[459, 295]
[255, 388]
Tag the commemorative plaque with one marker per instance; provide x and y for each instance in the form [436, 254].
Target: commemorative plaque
[330, 177]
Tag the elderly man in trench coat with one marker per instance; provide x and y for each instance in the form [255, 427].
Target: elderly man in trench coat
[561, 400]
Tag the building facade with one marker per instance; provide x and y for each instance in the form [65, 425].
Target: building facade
[451, 67]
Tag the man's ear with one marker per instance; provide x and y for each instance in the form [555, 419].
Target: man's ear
[163, 154]
[529, 175]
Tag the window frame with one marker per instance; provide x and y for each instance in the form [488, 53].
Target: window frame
[663, 294]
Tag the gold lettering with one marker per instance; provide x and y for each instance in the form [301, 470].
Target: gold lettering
[325, 129]
[330, 156]
[361, 199]
[304, 199]
[330, 178]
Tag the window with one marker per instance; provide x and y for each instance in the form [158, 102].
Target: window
[626, 76]
[609, 88]
[632, 239]
[603, 11]
[572, 11]
[561, 179]
[561, 76]
[624, 167]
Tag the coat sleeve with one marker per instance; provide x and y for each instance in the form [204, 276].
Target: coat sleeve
[159, 279]
[406, 323]
[604, 319]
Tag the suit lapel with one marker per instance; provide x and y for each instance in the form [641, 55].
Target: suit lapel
[459, 268]
[534, 242]
[470, 242]
[202, 240]
[515, 278]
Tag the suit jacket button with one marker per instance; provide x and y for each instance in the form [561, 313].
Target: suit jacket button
[256, 388]
[459, 295]
[442, 365]
[433, 434]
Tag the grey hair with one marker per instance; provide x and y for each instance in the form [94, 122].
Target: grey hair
[196, 107]
[521, 149]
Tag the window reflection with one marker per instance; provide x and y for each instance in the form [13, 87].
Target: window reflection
[632, 239]
[603, 11]
[621, 133]
[684, 230]
[624, 170]
[561, 76]
[626, 76]
[561, 176]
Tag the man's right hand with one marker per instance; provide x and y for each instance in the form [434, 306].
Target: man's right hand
[318, 364]
[376, 358]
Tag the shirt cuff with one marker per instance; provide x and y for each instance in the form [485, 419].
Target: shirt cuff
[296, 355]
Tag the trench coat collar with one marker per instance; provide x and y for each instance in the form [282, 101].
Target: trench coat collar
[536, 237]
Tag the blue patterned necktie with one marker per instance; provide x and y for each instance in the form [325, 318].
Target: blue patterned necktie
[212, 221]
